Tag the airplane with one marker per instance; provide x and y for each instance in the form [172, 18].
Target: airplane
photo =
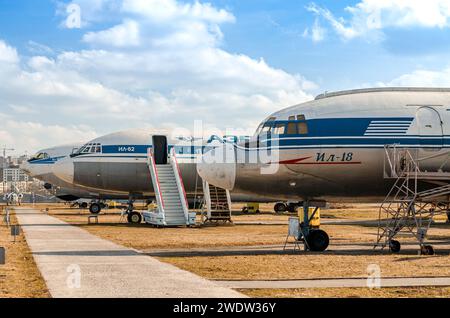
[40, 166]
[118, 162]
[335, 149]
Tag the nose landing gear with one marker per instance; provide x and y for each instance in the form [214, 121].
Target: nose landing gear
[133, 217]
[315, 240]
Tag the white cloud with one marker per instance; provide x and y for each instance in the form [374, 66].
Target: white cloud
[8, 54]
[317, 32]
[122, 35]
[422, 78]
[171, 10]
[32, 136]
[151, 69]
[370, 17]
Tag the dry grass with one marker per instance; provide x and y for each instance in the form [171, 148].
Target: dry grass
[20, 277]
[334, 263]
[416, 292]
[302, 266]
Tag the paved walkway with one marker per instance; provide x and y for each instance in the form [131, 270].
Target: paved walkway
[64, 253]
[338, 283]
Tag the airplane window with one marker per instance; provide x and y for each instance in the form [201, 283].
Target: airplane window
[98, 149]
[291, 117]
[291, 129]
[302, 128]
[279, 129]
[258, 130]
[266, 128]
[300, 117]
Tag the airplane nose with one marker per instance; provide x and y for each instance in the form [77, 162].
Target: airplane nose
[218, 167]
[64, 170]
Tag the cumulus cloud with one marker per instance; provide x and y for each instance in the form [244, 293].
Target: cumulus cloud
[370, 17]
[151, 68]
[122, 35]
[422, 78]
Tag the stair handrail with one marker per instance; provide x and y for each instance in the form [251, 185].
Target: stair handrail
[180, 184]
[155, 177]
[207, 197]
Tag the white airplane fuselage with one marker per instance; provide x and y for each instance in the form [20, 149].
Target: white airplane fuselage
[333, 148]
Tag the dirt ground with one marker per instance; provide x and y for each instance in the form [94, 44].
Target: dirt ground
[20, 277]
[416, 292]
[349, 254]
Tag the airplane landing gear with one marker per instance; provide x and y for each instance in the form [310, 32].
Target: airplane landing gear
[394, 246]
[318, 240]
[95, 208]
[427, 250]
[133, 217]
[280, 207]
[315, 240]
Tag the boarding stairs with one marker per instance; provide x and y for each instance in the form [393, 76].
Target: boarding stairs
[216, 205]
[408, 208]
[172, 206]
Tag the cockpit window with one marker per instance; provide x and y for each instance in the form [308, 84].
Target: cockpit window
[279, 129]
[302, 128]
[89, 149]
[291, 129]
[40, 156]
[301, 117]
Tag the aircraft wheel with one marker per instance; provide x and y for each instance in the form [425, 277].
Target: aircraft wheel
[95, 208]
[318, 240]
[245, 210]
[84, 205]
[280, 208]
[134, 217]
[448, 217]
[427, 250]
[394, 246]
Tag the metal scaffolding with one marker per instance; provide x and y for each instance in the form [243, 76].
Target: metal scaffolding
[415, 198]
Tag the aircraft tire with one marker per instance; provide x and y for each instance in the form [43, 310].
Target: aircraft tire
[427, 250]
[395, 246]
[95, 208]
[84, 205]
[318, 240]
[280, 207]
[134, 217]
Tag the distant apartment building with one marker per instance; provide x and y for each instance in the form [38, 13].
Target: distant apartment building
[14, 175]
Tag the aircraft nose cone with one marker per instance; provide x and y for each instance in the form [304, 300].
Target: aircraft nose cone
[218, 167]
[64, 170]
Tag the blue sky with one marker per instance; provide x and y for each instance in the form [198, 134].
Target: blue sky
[173, 61]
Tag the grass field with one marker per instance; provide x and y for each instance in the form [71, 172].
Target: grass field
[19, 278]
[348, 256]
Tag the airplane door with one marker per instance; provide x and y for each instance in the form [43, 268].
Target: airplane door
[160, 149]
[429, 125]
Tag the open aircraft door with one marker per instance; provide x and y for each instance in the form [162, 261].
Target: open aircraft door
[160, 149]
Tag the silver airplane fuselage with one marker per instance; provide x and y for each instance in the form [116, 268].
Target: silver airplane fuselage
[118, 162]
[334, 148]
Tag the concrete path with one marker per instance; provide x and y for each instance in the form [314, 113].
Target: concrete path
[338, 283]
[75, 263]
